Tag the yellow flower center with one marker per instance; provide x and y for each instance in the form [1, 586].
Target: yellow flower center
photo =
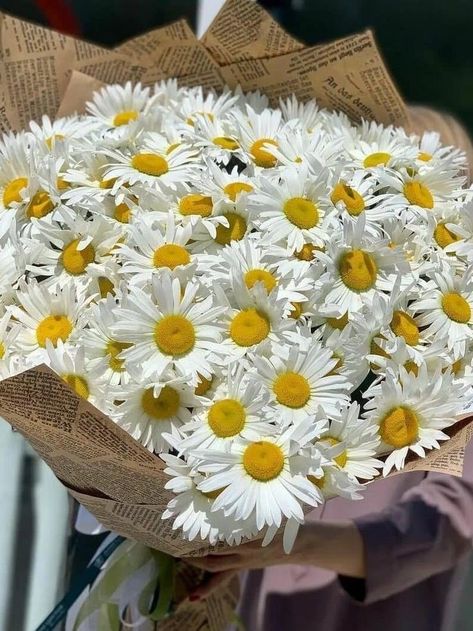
[338, 365]
[52, 139]
[203, 386]
[162, 407]
[173, 146]
[403, 325]
[150, 164]
[254, 276]
[342, 458]
[226, 418]
[123, 118]
[424, 156]
[319, 482]
[443, 236]
[418, 194]
[105, 286]
[376, 159]
[412, 367]
[12, 191]
[78, 384]
[301, 212]
[457, 366]
[358, 270]
[53, 328]
[209, 115]
[195, 204]
[338, 323]
[261, 157]
[456, 307]
[114, 349]
[122, 213]
[40, 205]
[62, 184]
[249, 327]
[354, 202]
[171, 255]
[233, 189]
[2, 350]
[297, 310]
[263, 461]
[291, 390]
[376, 349]
[226, 143]
[400, 427]
[75, 261]
[306, 253]
[174, 335]
[107, 183]
[235, 231]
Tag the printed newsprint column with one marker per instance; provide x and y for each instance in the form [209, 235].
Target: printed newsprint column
[35, 65]
[243, 30]
[348, 74]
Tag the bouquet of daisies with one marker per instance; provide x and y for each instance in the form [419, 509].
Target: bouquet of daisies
[275, 301]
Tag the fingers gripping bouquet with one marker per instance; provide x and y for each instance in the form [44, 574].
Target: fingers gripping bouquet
[274, 300]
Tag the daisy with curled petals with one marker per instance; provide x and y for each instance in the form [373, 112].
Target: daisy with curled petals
[253, 321]
[70, 363]
[358, 266]
[102, 350]
[15, 169]
[446, 309]
[258, 476]
[248, 262]
[299, 382]
[8, 332]
[374, 145]
[358, 441]
[256, 132]
[171, 328]
[153, 246]
[151, 163]
[14, 256]
[61, 130]
[306, 114]
[75, 246]
[299, 147]
[411, 411]
[206, 104]
[118, 105]
[227, 186]
[353, 195]
[431, 151]
[53, 312]
[148, 409]
[235, 410]
[332, 481]
[292, 208]
[215, 138]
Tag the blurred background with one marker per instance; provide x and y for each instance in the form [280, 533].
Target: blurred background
[429, 49]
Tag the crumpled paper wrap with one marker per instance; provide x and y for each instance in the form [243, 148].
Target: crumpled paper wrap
[44, 72]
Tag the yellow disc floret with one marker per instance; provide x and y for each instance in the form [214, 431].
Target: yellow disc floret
[338, 323]
[226, 143]
[262, 157]
[40, 205]
[122, 213]
[301, 212]
[226, 418]
[196, 204]
[114, 348]
[405, 326]
[150, 164]
[233, 189]
[203, 386]
[75, 261]
[354, 202]
[254, 276]
[377, 159]
[443, 236]
[162, 407]
[456, 307]
[174, 335]
[263, 461]
[418, 194]
[235, 231]
[171, 255]
[249, 327]
[291, 390]
[342, 458]
[123, 118]
[53, 328]
[78, 384]
[358, 270]
[400, 427]
[12, 191]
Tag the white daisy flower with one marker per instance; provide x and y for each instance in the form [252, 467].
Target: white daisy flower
[118, 105]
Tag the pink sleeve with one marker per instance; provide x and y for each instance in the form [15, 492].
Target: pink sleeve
[427, 532]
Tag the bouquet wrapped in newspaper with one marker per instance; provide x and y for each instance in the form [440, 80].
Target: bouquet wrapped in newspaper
[222, 307]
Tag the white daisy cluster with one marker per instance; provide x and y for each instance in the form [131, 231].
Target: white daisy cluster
[277, 301]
